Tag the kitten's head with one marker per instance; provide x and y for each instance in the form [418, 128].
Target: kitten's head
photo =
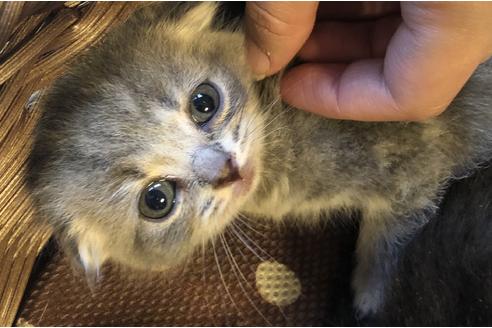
[151, 144]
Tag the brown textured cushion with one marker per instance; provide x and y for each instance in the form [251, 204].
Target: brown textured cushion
[316, 260]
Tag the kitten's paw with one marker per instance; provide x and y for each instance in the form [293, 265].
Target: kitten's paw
[368, 292]
[367, 303]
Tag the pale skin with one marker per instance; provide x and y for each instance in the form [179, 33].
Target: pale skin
[370, 61]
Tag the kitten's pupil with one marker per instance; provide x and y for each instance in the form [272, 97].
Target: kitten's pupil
[157, 199]
[204, 103]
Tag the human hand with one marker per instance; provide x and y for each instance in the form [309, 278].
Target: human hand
[370, 61]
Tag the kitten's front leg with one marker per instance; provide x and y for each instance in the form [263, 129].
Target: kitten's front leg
[379, 243]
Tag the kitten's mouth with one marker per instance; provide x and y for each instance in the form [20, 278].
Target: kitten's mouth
[239, 178]
[243, 185]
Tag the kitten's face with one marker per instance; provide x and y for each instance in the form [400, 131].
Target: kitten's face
[152, 145]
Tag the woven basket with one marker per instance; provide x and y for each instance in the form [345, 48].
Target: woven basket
[37, 40]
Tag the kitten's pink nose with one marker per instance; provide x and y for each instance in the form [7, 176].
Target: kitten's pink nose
[216, 167]
[228, 174]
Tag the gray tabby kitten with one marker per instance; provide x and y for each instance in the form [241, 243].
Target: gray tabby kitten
[160, 136]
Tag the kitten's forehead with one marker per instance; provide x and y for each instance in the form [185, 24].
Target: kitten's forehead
[191, 43]
[167, 57]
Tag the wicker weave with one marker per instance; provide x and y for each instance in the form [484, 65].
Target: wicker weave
[37, 40]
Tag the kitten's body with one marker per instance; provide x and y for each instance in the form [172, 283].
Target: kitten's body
[393, 173]
[444, 276]
[372, 166]
[120, 118]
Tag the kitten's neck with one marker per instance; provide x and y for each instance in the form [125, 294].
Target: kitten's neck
[278, 129]
[293, 162]
[279, 152]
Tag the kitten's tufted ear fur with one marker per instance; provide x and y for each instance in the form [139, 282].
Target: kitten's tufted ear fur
[200, 17]
[90, 254]
[86, 254]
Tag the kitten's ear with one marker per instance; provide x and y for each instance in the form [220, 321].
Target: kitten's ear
[86, 256]
[200, 17]
[90, 258]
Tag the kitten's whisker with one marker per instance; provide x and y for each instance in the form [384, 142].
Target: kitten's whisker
[263, 137]
[251, 240]
[272, 142]
[254, 272]
[254, 118]
[273, 119]
[223, 280]
[241, 113]
[241, 217]
[254, 221]
[232, 228]
[285, 127]
[268, 108]
[274, 102]
[237, 270]
[204, 281]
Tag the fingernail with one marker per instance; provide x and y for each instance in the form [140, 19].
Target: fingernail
[259, 77]
[260, 62]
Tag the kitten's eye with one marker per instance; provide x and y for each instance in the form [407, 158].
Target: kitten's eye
[205, 101]
[157, 199]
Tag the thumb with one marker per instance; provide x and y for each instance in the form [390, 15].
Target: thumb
[275, 31]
